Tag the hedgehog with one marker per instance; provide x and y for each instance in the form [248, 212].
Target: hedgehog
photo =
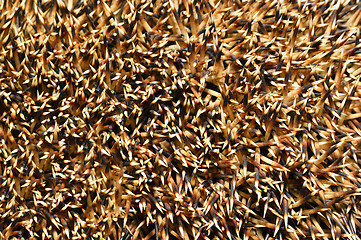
[192, 119]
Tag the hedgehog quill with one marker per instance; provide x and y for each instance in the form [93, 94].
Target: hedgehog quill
[186, 119]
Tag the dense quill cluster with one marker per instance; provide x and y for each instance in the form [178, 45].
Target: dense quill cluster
[156, 119]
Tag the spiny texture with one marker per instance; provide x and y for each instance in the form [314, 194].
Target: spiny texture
[180, 119]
